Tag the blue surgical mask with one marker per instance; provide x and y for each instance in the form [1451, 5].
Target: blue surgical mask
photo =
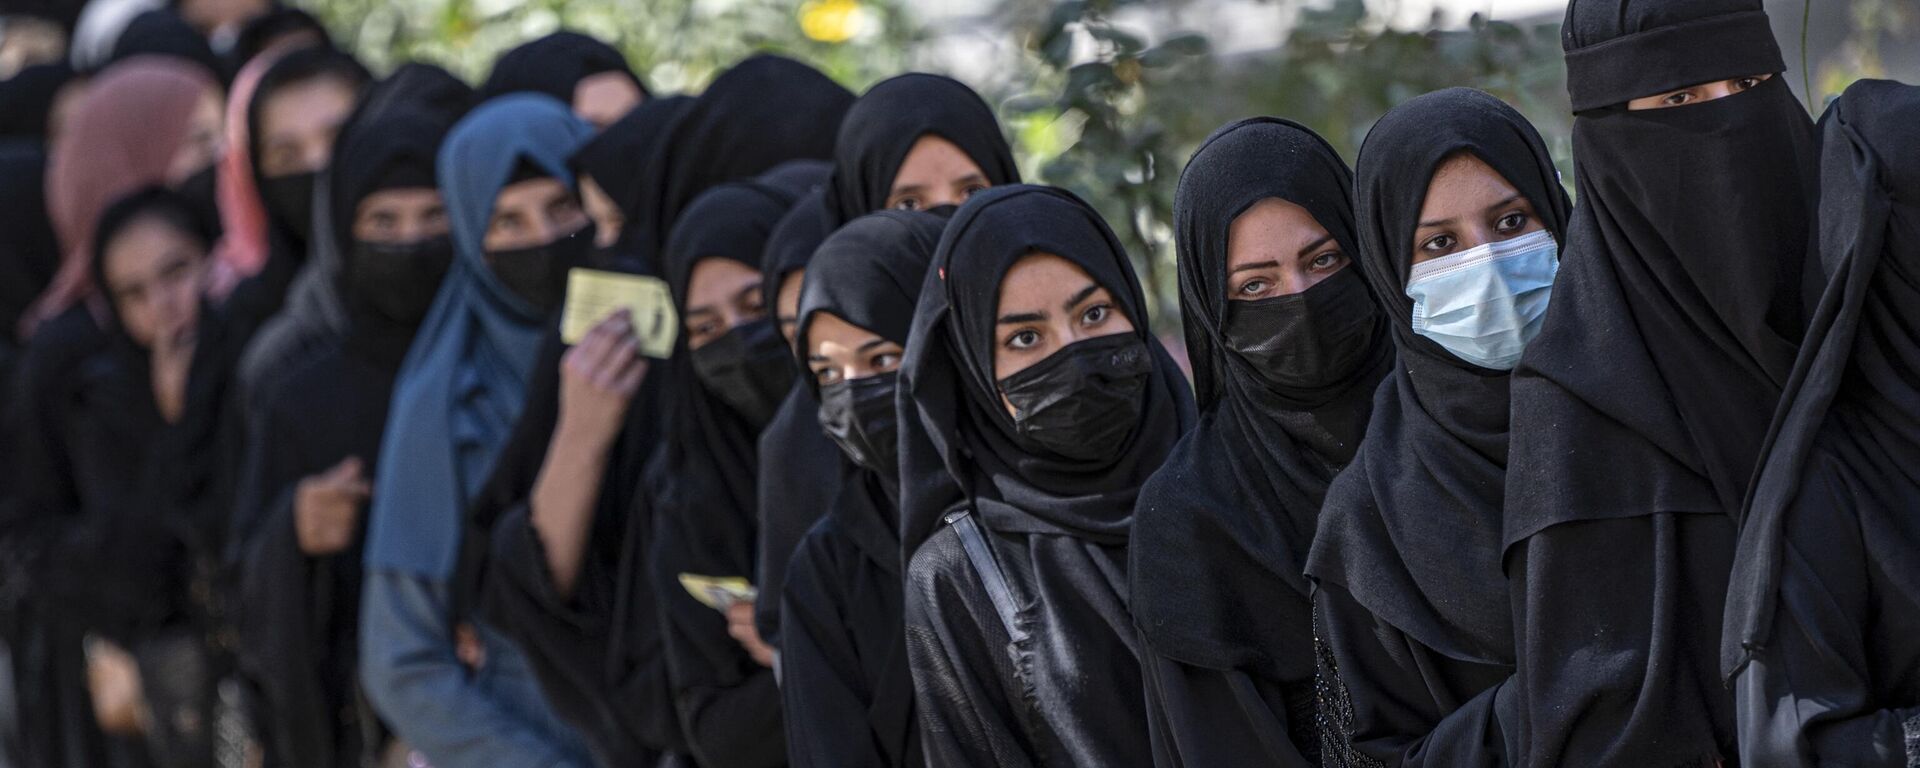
[1486, 303]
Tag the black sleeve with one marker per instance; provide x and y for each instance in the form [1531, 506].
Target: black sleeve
[1809, 697]
[955, 646]
[1391, 680]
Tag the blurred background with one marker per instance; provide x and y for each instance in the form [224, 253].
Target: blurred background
[1105, 97]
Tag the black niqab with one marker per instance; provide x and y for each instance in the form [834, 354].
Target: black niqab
[1225, 525]
[555, 65]
[883, 125]
[1683, 269]
[764, 111]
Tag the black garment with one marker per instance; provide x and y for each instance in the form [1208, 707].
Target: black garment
[162, 32]
[299, 614]
[26, 100]
[598, 652]
[886, 121]
[1413, 603]
[702, 484]
[799, 467]
[554, 65]
[764, 111]
[29, 254]
[1221, 531]
[613, 160]
[278, 23]
[845, 652]
[1822, 633]
[1058, 681]
[1639, 412]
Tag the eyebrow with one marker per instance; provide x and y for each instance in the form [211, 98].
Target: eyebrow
[1080, 297]
[971, 177]
[748, 291]
[1022, 317]
[1254, 266]
[871, 343]
[907, 189]
[1511, 199]
[1315, 245]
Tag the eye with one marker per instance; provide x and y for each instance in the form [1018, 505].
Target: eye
[1746, 83]
[1677, 98]
[1023, 339]
[1511, 222]
[1439, 243]
[971, 190]
[827, 375]
[885, 361]
[907, 204]
[1327, 260]
[1095, 314]
[1254, 287]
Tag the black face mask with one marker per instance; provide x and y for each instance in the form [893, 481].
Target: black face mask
[859, 416]
[750, 368]
[290, 199]
[398, 281]
[1309, 340]
[200, 189]
[1082, 401]
[538, 275]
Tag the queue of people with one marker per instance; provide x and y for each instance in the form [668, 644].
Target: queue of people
[304, 468]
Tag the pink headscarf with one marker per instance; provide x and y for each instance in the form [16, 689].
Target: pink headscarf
[242, 249]
[123, 135]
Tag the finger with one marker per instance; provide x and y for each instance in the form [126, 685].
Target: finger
[357, 490]
[347, 469]
[631, 377]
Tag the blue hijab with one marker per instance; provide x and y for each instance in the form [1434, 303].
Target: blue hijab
[463, 382]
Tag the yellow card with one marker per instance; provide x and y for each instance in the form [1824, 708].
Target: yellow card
[718, 592]
[593, 294]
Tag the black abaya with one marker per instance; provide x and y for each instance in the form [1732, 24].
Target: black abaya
[1822, 634]
[1639, 412]
[1038, 665]
[844, 651]
[1220, 533]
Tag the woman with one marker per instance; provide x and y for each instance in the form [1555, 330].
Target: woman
[1460, 216]
[287, 108]
[914, 142]
[1683, 274]
[844, 652]
[1820, 636]
[1288, 348]
[314, 316]
[148, 435]
[587, 75]
[610, 177]
[727, 379]
[1033, 376]
[454, 689]
[304, 485]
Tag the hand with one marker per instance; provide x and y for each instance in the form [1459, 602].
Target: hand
[113, 680]
[468, 648]
[597, 380]
[740, 626]
[326, 507]
[171, 363]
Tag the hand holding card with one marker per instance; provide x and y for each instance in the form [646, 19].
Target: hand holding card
[594, 294]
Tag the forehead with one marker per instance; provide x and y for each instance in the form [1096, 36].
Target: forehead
[141, 247]
[400, 197]
[1462, 182]
[530, 192]
[1038, 280]
[306, 98]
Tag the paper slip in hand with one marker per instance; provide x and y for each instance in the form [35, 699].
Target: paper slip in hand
[718, 592]
[593, 295]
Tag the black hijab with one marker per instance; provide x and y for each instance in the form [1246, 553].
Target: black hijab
[949, 389]
[162, 32]
[1412, 529]
[1682, 272]
[26, 100]
[1221, 533]
[883, 125]
[710, 467]
[555, 65]
[1858, 375]
[614, 157]
[764, 111]
[869, 273]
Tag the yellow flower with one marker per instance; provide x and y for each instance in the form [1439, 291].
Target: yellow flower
[831, 21]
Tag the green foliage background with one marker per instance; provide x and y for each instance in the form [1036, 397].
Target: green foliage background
[1089, 103]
